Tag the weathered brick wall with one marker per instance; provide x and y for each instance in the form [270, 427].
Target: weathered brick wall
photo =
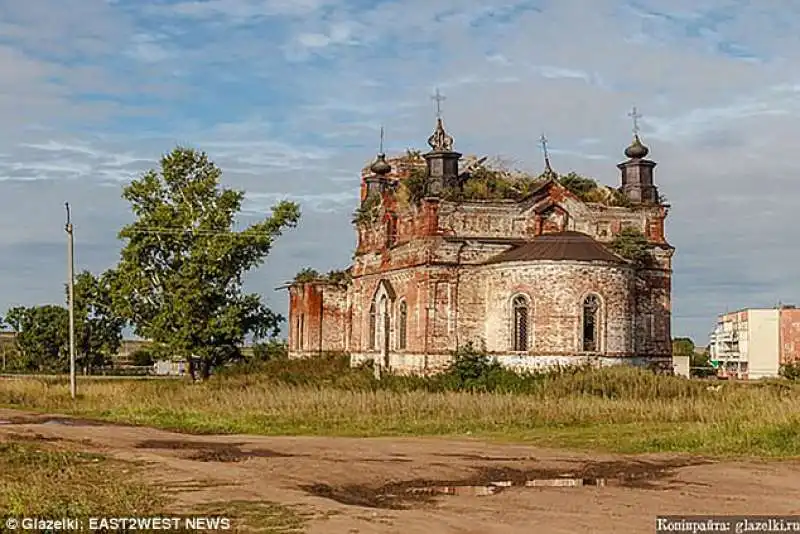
[442, 294]
[555, 291]
[655, 302]
[483, 219]
[654, 306]
[318, 318]
[543, 214]
[409, 223]
[789, 335]
[429, 294]
[407, 285]
[400, 257]
[465, 252]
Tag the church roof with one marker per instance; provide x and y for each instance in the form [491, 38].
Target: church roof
[574, 246]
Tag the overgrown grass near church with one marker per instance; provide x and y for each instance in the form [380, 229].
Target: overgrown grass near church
[616, 409]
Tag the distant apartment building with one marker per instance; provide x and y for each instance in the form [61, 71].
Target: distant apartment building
[755, 342]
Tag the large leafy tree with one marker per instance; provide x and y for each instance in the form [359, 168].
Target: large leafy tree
[42, 337]
[98, 329]
[179, 279]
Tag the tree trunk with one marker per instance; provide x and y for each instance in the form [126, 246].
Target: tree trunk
[192, 369]
[205, 369]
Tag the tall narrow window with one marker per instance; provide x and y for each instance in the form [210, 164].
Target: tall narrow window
[300, 333]
[521, 318]
[383, 309]
[402, 325]
[373, 323]
[297, 333]
[591, 311]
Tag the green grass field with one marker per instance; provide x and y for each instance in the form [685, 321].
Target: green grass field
[613, 409]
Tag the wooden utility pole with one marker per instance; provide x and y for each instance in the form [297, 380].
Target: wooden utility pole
[71, 286]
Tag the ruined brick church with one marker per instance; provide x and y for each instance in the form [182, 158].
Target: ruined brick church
[532, 279]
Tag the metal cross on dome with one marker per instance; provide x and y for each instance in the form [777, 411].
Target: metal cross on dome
[543, 144]
[635, 115]
[439, 99]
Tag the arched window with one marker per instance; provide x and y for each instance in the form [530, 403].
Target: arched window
[591, 323]
[521, 315]
[373, 323]
[402, 325]
[383, 310]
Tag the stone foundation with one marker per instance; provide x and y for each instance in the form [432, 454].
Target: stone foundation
[431, 363]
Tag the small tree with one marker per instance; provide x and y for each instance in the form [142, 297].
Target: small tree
[307, 274]
[580, 186]
[367, 211]
[143, 357]
[683, 346]
[415, 185]
[632, 245]
[98, 330]
[42, 337]
[790, 371]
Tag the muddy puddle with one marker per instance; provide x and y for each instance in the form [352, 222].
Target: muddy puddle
[28, 437]
[44, 420]
[211, 452]
[489, 481]
[70, 422]
[484, 458]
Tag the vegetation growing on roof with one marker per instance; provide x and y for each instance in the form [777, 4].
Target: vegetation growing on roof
[308, 275]
[488, 182]
[495, 180]
[632, 245]
[412, 188]
[589, 190]
[367, 211]
[341, 276]
[492, 180]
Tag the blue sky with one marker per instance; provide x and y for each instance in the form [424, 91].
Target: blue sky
[287, 96]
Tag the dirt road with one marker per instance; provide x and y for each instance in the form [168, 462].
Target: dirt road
[426, 486]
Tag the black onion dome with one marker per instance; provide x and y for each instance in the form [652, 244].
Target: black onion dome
[637, 150]
[380, 166]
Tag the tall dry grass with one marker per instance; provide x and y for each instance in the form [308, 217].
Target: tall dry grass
[622, 409]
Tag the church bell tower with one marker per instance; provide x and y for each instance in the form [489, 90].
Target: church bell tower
[442, 160]
[637, 171]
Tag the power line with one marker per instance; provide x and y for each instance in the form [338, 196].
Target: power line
[195, 231]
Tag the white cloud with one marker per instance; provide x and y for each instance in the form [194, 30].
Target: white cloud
[260, 203]
[147, 48]
[243, 10]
